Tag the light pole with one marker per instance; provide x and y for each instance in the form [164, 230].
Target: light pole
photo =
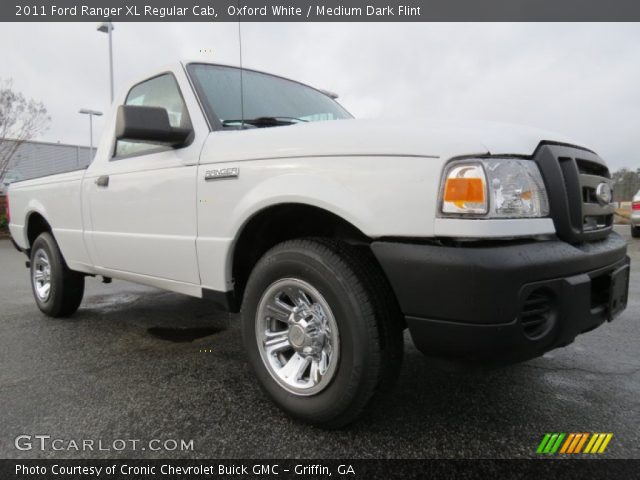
[107, 27]
[91, 114]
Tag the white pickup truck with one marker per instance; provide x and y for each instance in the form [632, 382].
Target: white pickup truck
[331, 235]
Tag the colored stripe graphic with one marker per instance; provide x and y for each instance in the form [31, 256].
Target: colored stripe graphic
[591, 443]
[556, 446]
[582, 442]
[543, 443]
[598, 443]
[606, 441]
[573, 443]
[567, 443]
[550, 443]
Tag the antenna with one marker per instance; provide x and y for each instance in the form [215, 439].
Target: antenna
[241, 84]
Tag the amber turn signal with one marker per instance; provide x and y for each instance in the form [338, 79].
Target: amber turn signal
[466, 190]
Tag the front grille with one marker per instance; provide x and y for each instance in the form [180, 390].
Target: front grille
[537, 313]
[595, 216]
[592, 168]
[572, 177]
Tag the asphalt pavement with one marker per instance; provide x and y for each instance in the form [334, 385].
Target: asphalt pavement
[138, 364]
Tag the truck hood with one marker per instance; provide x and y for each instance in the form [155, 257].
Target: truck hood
[429, 138]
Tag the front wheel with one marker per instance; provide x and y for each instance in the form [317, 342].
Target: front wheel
[57, 290]
[322, 330]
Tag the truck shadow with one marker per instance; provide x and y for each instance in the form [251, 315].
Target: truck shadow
[164, 316]
[182, 335]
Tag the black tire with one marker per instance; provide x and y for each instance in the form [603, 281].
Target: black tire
[66, 286]
[367, 315]
[635, 232]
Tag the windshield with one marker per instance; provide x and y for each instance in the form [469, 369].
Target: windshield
[268, 100]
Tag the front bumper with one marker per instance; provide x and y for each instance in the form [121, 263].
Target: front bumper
[509, 302]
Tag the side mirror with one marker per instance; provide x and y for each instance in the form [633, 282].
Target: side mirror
[137, 123]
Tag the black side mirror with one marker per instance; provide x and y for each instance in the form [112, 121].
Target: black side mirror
[137, 123]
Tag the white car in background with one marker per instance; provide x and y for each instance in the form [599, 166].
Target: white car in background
[635, 215]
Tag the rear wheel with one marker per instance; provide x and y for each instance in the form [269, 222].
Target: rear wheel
[322, 331]
[57, 290]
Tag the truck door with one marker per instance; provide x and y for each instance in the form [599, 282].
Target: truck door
[142, 200]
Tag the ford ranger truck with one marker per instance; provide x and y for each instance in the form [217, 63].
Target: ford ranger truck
[331, 235]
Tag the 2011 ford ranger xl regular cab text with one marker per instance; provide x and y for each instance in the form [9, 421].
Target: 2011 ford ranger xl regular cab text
[331, 235]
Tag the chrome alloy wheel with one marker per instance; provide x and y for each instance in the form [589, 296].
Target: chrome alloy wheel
[297, 336]
[41, 275]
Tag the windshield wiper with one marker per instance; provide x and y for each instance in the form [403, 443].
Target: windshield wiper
[264, 121]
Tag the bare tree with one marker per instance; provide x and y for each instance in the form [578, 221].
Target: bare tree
[625, 184]
[20, 120]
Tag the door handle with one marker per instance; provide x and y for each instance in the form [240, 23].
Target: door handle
[102, 181]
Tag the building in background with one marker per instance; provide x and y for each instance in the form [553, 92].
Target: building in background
[38, 159]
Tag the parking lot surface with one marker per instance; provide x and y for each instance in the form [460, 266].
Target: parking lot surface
[138, 363]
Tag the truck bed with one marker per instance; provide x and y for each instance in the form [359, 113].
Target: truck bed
[57, 198]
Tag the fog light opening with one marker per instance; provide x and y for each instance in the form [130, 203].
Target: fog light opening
[538, 313]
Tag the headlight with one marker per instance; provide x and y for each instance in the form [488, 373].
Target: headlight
[494, 188]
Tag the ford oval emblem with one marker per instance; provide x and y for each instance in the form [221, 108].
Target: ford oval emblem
[604, 194]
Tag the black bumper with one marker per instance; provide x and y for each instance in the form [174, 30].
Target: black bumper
[509, 302]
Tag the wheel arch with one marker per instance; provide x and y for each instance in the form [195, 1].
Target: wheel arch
[277, 223]
[36, 224]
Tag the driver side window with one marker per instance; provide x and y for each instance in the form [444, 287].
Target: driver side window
[161, 91]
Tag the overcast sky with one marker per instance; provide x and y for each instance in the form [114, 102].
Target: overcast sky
[582, 80]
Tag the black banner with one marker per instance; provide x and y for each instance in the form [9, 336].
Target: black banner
[319, 10]
[315, 469]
